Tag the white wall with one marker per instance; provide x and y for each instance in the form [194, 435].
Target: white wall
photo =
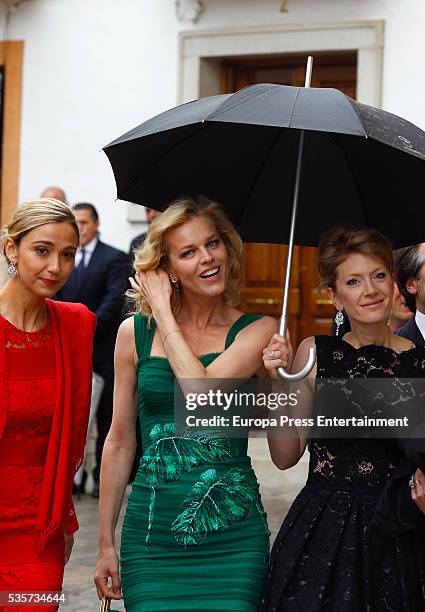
[404, 49]
[92, 70]
[95, 68]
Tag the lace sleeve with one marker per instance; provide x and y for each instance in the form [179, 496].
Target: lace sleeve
[71, 523]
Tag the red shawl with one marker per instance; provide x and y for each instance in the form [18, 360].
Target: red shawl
[72, 328]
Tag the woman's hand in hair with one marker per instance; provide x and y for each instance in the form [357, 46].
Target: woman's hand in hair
[154, 286]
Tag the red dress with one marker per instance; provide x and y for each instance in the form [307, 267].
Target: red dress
[31, 391]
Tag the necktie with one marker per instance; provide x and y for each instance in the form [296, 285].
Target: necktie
[80, 269]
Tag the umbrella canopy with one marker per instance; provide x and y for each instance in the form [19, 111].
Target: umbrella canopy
[360, 164]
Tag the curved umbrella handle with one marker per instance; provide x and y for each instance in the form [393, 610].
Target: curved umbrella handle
[302, 373]
[283, 326]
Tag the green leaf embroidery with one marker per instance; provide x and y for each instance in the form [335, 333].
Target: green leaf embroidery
[170, 455]
[214, 503]
[150, 516]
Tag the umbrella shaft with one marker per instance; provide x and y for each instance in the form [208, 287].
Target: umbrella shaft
[284, 320]
[308, 71]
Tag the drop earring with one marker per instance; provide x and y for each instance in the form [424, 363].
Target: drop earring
[339, 320]
[175, 283]
[12, 269]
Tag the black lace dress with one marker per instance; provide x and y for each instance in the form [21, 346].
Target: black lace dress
[332, 553]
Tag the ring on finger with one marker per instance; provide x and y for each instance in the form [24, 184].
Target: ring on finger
[272, 355]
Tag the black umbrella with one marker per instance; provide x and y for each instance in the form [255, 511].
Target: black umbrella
[246, 150]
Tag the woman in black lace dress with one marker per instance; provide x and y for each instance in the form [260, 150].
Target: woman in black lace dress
[354, 538]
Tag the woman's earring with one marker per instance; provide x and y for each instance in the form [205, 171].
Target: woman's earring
[175, 282]
[12, 269]
[339, 320]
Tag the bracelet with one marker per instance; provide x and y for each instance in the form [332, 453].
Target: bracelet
[173, 331]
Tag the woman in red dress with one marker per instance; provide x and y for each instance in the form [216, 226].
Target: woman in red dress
[45, 378]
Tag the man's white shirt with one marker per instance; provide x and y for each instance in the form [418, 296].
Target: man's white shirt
[89, 249]
[420, 322]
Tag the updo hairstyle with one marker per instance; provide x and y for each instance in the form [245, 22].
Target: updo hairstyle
[339, 242]
[34, 213]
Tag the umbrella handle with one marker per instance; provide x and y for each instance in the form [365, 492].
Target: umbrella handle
[310, 361]
[302, 373]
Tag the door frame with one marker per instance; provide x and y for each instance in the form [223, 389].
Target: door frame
[11, 59]
[201, 52]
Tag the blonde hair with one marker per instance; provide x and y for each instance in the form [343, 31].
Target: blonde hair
[152, 254]
[32, 214]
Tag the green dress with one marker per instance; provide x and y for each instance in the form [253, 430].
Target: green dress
[195, 535]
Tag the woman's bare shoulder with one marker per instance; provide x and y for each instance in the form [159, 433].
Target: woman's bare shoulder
[126, 329]
[265, 321]
[401, 344]
[263, 326]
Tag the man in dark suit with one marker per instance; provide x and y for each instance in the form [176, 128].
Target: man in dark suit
[98, 281]
[410, 276]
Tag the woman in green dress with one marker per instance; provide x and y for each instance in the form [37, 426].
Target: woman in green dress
[195, 535]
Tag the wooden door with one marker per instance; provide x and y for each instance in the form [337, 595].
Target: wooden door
[310, 311]
[262, 279]
[11, 63]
